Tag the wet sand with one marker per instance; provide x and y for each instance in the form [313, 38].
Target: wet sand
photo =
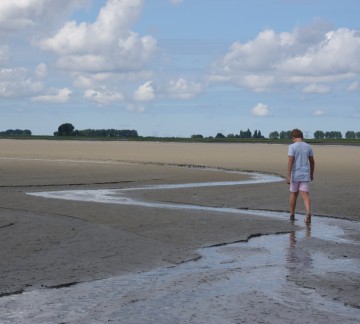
[53, 243]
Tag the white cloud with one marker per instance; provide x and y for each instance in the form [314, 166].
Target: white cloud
[25, 14]
[89, 81]
[105, 45]
[182, 89]
[318, 113]
[83, 82]
[61, 96]
[257, 82]
[309, 55]
[316, 88]
[103, 96]
[19, 14]
[145, 92]
[260, 110]
[338, 53]
[18, 82]
[252, 64]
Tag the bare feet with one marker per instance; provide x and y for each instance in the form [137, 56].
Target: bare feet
[292, 217]
[308, 218]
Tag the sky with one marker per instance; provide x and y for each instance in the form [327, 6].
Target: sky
[180, 67]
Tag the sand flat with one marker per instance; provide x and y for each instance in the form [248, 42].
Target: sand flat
[336, 175]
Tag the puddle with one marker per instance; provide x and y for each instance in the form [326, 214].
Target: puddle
[236, 283]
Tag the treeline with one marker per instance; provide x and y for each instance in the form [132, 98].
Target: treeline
[242, 134]
[336, 135]
[280, 135]
[106, 133]
[16, 132]
[318, 135]
[283, 135]
[68, 129]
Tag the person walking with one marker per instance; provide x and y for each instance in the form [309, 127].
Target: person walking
[301, 166]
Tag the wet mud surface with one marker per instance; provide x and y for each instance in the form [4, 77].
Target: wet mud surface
[300, 276]
[263, 280]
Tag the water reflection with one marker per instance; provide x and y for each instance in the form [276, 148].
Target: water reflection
[299, 259]
[227, 285]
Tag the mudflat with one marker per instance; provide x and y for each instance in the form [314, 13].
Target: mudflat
[53, 242]
[333, 191]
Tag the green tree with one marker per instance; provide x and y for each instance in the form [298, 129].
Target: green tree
[12, 132]
[219, 135]
[333, 135]
[66, 129]
[274, 135]
[319, 134]
[285, 135]
[350, 135]
[245, 134]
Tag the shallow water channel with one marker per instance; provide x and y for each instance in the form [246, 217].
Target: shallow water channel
[255, 281]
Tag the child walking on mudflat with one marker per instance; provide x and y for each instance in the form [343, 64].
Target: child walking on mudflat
[301, 166]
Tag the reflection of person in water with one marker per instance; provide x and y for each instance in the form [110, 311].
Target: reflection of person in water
[298, 258]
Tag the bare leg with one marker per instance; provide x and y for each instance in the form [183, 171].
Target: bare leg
[292, 201]
[306, 199]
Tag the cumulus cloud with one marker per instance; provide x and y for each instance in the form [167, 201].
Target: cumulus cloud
[61, 96]
[88, 81]
[337, 53]
[108, 44]
[103, 96]
[260, 110]
[18, 82]
[21, 14]
[145, 92]
[310, 55]
[182, 89]
[316, 88]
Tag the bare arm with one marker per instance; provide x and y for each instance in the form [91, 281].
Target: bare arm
[312, 167]
[290, 165]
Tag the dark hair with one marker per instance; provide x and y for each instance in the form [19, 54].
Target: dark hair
[296, 133]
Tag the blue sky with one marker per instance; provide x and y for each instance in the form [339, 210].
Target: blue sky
[180, 67]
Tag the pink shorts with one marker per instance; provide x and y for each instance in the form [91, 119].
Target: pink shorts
[299, 185]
